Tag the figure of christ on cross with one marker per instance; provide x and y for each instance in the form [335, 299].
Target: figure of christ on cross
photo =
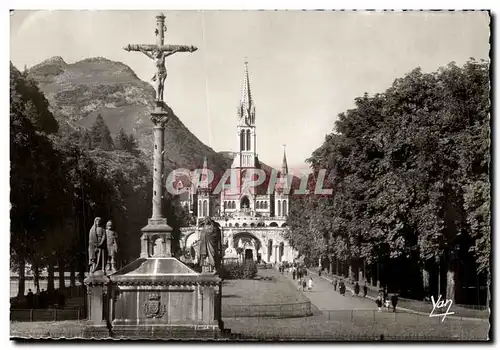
[158, 53]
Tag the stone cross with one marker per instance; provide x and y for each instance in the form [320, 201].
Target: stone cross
[158, 53]
[156, 238]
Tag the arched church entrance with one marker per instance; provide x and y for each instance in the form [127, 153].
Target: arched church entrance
[248, 246]
[248, 254]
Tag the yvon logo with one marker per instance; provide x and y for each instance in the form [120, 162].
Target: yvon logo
[440, 304]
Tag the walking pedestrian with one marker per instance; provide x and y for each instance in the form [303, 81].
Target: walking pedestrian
[304, 284]
[365, 290]
[394, 300]
[379, 303]
[30, 298]
[334, 282]
[310, 283]
[356, 289]
[293, 273]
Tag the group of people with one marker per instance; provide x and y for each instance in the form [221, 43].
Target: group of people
[382, 300]
[299, 273]
[305, 283]
[382, 297]
[44, 299]
[342, 287]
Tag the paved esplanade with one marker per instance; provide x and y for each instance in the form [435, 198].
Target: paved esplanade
[324, 297]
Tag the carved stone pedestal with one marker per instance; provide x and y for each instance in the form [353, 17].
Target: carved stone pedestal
[97, 305]
[161, 298]
[155, 240]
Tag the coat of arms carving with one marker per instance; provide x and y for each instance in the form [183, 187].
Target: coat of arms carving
[153, 307]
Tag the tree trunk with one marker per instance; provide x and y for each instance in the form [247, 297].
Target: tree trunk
[488, 291]
[22, 277]
[426, 282]
[378, 276]
[355, 269]
[450, 284]
[72, 279]
[50, 277]
[36, 278]
[81, 276]
[61, 275]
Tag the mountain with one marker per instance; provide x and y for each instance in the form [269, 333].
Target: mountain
[80, 91]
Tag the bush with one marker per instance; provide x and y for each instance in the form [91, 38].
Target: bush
[249, 270]
[234, 271]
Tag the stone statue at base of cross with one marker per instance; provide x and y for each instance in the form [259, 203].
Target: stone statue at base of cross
[210, 245]
[97, 248]
[111, 246]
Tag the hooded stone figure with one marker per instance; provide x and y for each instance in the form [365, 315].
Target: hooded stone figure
[210, 246]
[111, 245]
[97, 247]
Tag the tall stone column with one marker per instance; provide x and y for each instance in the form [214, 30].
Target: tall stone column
[157, 225]
[158, 132]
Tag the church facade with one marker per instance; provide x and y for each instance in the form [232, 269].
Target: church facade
[252, 217]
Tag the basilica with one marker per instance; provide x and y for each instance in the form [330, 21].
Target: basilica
[252, 218]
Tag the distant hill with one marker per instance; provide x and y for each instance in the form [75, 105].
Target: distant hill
[78, 92]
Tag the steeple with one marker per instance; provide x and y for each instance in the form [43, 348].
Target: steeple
[246, 110]
[284, 165]
[204, 174]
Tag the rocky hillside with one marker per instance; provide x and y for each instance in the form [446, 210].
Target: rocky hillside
[78, 92]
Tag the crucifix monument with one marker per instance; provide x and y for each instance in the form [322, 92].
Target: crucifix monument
[157, 230]
[157, 296]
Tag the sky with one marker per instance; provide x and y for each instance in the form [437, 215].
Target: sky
[305, 67]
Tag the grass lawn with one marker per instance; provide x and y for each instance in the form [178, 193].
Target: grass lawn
[278, 290]
[320, 328]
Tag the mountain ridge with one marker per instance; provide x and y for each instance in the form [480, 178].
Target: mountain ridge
[78, 92]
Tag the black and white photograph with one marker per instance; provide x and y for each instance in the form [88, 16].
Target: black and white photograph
[251, 175]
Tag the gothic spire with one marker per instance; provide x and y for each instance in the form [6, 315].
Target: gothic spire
[205, 163]
[284, 165]
[246, 108]
[204, 174]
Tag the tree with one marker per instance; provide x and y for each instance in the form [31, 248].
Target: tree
[411, 179]
[86, 141]
[126, 142]
[36, 106]
[122, 141]
[36, 183]
[100, 135]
